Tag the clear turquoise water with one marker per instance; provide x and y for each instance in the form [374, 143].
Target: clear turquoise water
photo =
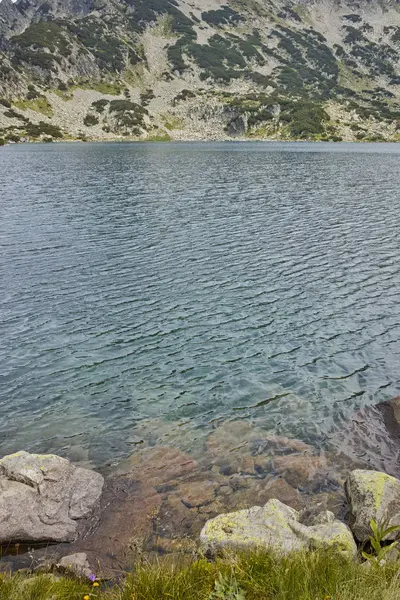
[176, 285]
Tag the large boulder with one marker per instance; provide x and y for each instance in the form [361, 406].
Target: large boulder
[277, 527]
[44, 498]
[372, 495]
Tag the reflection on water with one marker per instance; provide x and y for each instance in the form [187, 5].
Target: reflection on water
[152, 291]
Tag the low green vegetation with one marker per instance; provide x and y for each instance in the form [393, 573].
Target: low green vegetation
[171, 122]
[128, 116]
[13, 114]
[100, 105]
[104, 87]
[146, 97]
[43, 129]
[301, 118]
[183, 95]
[47, 35]
[247, 575]
[305, 120]
[158, 137]
[380, 550]
[90, 120]
[41, 45]
[222, 16]
[39, 104]
[64, 91]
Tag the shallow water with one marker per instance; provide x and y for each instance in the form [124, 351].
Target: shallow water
[150, 291]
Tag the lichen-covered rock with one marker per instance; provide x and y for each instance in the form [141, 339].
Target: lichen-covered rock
[44, 497]
[277, 527]
[372, 495]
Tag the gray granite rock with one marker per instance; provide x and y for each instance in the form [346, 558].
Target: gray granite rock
[77, 564]
[44, 497]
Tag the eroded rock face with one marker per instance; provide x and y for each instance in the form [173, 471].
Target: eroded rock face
[372, 495]
[44, 498]
[277, 527]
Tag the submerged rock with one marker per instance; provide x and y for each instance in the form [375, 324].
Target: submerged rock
[300, 470]
[372, 495]
[44, 498]
[277, 527]
[371, 437]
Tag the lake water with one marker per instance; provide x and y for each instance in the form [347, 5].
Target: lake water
[157, 289]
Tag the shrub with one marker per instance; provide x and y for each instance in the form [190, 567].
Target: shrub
[123, 105]
[146, 96]
[353, 35]
[221, 16]
[353, 18]
[108, 50]
[260, 79]
[13, 114]
[128, 115]
[46, 35]
[90, 120]
[183, 95]
[99, 105]
[219, 59]
[35, 131]
[12, 137]
[288, 13]
[34, 58]
[32, 95]
[2, 142]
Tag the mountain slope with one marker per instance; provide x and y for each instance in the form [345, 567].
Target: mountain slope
[189, 69]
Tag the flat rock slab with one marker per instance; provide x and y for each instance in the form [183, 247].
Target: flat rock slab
[277, 527]
[44, 498]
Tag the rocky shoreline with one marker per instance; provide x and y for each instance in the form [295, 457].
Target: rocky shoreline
[189, 139]
[246, 486]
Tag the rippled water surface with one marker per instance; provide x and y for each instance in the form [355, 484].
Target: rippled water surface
[154, 289]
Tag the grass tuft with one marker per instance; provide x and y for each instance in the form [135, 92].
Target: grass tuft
[246, 575]
[39, 105]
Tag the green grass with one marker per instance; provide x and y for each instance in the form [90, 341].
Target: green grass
[41, 587]
[171, 122]
[254, 575]
[39, 105]
[65, 95]
[104, 87]
[158, 137]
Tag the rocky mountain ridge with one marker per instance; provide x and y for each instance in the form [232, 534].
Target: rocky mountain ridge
[200, 69]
